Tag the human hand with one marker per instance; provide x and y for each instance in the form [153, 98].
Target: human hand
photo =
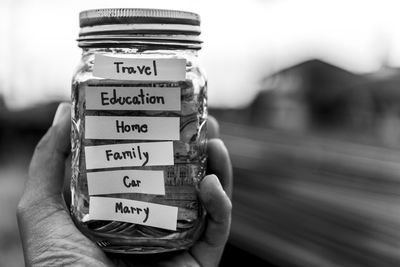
[50, 238]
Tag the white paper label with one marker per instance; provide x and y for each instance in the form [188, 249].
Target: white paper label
[132, 128]
[139, 69]
[126, 181]
[129, 155]
[133, 98]
[132, 211]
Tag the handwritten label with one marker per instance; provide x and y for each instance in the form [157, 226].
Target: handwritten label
[129, 155]
[132, 211]
[133, 98]
[126, 181]
[139, 69]
[133, 128]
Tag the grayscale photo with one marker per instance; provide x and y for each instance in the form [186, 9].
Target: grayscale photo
[200, 133]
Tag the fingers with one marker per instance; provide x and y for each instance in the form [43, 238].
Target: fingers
[219, 164]
[209, 248]
[216, 200]
[212, 128]
[46, 171]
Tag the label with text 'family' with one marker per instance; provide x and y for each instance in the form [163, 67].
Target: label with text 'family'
[132, 211]
[129, 155]
[126, 181]
[139, 69]
[133, 98]
[133, 128]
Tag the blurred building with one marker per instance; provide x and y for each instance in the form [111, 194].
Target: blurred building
[307, 95]
[315, 96]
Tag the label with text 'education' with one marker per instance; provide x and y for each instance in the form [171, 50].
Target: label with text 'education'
[126, 181]
[132, 211]
[139, 69]
[132, 128]
[129, 155]
[133, 98]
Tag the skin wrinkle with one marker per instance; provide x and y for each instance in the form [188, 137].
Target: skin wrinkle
[51, 257]
[55, 232]
[60, 247]
[51, 203]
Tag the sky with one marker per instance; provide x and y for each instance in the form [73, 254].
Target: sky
[244, 40]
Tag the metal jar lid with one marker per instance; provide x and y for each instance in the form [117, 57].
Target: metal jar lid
[132, 25]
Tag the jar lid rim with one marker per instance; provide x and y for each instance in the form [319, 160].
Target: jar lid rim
[109, 16]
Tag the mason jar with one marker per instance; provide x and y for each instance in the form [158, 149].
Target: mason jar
[139, 111]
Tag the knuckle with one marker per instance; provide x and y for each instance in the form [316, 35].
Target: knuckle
[22, 207]
[229, 206]
[43, 143]
[227, 210]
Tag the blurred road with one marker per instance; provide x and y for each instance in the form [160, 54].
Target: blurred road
[312, 201]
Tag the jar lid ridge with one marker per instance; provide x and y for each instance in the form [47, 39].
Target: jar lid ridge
[139, 26]
[136, 15]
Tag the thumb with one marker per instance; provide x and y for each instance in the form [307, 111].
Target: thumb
[46, 171]
[208, 250]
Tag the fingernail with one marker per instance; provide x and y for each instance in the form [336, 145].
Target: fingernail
[60, 112]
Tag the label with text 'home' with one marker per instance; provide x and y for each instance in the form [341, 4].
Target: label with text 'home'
[133, 128]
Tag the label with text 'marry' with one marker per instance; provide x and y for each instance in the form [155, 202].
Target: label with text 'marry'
[132, 211]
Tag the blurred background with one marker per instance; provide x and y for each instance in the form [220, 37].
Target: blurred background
[308, 97]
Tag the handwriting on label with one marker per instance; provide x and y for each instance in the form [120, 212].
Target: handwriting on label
[145, 69]
[133, 128]
[126, 181]
[133, 98]
[132, 211]
[139, 69]
[129, 155]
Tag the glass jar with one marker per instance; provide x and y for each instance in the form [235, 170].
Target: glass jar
[139, 110]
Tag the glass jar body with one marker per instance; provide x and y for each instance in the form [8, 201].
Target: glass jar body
[180, 180]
